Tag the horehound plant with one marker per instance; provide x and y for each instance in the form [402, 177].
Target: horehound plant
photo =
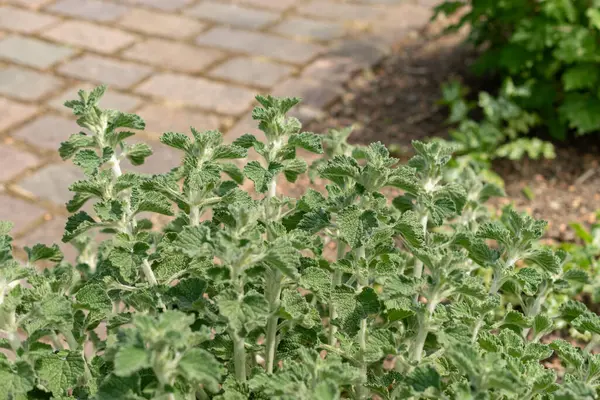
[427, 297]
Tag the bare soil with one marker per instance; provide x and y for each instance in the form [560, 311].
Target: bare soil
[398, 102]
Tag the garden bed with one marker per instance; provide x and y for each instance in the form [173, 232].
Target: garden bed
[398, 102]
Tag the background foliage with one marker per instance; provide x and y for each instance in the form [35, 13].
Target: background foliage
[546, 53]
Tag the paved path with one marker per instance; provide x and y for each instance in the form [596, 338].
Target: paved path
[176, 63]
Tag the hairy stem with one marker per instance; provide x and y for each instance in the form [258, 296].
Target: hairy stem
[194, 216]
[418, 270]
[239, 356]
[476, 329]
[71, 341]
[423, 331]
[361, 391]
[148, 273]
[336, 280]
[273, 294]
[14, 341]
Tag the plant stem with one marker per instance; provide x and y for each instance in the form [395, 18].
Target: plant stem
[148, 273]
[71, 341]
[273, 293]
[478, 326]
[423, 330]
[15, 342]
[361, 391]
[239, 356]
[418, 270]
[194, 216]
[336, 280]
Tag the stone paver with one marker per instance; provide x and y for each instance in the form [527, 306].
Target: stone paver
[25, 84]
[89, 9]
[233, 14]
[49, 233]
[252, 71]
[177, 63]
[271, 4]
[172, 55]
[260, 44]
[340, 11]
[199, 92]
[52, 182]
[90, 36]
[24, 21]
[47, 131]
[14, 161]
[32, 52]
[166, 5]
[314, 93]
[161, 24]
[309, 28]
[13, 113]
[21, 213]
[111, 99]
[105, 70]
[160, 119]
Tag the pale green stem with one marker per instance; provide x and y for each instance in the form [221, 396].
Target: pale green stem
[423, 331]
[148, 273]
[336, 280]
[361, 391]
[273, 293]
[71, 341]
[194, 216]
[476, 329]
[239, 357]
[15, 342]
[418, 270]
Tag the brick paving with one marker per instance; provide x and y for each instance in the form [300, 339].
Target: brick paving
[176, 63]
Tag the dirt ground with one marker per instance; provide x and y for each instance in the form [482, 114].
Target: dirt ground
[397, 102]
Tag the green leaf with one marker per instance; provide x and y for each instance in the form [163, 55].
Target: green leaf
[75, 143]
[283, 256]
[581, 76]
[201, 367]
[582, 111]
[307, 141]
[176, 140]
[293, 168]
[59, 372]
[593, 15]
[297, 308]
[125, 120]
[43, 252]
[567, 353]
[257, 174]
[76, 225]
[16, 379]
[229, 152]
[88, 161]
[411, 229]
[545, 258]
[542, 324]
[129, 360]
[588, 322]
[138, 153]
[234, 172]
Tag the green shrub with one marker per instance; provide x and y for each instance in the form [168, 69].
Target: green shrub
[237, 298]
[551, 47]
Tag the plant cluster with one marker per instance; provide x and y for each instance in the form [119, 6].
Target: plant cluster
[494, 127]
[427, 297]
[548, 48]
